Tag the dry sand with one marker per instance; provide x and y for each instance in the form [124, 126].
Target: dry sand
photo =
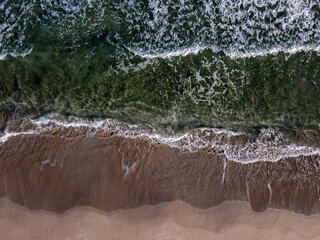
[167, 221]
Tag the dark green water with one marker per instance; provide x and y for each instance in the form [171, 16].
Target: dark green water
[128, 60]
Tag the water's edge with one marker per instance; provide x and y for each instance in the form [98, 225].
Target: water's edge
[109, 171]
[265, 144]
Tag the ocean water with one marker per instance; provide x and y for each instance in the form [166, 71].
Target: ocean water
[187, 73]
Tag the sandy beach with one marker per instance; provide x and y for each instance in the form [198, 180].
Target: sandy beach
[60, 169]
[63, 184]
[167, 221]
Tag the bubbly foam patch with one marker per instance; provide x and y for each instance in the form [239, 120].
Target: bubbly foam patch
[164, 28]
[233, 55]
[246, 27]
[14, 24]
[267, 145]
[15, 54]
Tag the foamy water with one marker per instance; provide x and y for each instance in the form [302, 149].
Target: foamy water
[167, 28]
[14, 54]
[268, 145]
[239, 28]
[232, 54]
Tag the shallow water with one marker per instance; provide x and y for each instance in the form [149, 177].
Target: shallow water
[267, 144]
[231, 64]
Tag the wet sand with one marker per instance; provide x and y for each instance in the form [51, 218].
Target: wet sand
[166, 221]
[61, 169]
[64, 184]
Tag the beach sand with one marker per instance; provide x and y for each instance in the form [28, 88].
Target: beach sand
[63, 185]
[59, 170]
[166, 221]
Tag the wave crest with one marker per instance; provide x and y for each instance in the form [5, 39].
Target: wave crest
[265, 145]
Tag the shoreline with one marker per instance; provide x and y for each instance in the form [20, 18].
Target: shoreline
[267, 144]
[58, 169]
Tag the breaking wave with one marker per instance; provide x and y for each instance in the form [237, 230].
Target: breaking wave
[264, 145]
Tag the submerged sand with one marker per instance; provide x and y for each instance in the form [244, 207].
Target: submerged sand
[166, 221]
[66, 184]
[60, 169]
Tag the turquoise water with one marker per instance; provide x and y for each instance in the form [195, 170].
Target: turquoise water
[230, 64]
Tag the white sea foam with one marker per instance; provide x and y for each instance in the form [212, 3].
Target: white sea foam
[50, 163]
[234, 54]
[15, 54]
[268, 145]
[169, 28]
[239, 28]
[176, 53]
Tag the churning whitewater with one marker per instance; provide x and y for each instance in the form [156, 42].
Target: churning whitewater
[264, 145]
[163, 28]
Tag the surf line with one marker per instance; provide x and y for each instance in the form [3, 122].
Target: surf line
[244, 154]
[232, 54]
